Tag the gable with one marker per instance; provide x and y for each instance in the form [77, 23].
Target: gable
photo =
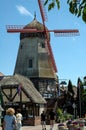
[11, 84]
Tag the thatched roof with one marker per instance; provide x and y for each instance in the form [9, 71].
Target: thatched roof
[1, 74]
[27, 87]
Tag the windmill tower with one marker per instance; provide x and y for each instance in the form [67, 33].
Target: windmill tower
[35, 58]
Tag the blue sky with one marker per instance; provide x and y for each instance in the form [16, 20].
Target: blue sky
[69, 52]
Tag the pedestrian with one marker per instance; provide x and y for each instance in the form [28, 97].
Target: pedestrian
[18, 121]
[43, 120]
[9, 119]
[52, 119]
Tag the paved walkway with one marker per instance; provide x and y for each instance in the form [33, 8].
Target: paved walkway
[38, 127]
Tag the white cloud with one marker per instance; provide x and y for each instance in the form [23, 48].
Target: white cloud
[22, 10]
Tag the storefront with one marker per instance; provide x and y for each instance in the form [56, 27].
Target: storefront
[19, 92]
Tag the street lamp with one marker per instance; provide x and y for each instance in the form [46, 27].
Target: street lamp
[74, 107]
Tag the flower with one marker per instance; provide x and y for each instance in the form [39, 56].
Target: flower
[60, 124]
[78, 129]
[75, 123]
[81, 124]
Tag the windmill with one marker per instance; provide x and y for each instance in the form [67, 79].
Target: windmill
[22, 29]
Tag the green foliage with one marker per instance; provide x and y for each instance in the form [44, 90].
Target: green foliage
[59, 112]
[76, 7]
[60, 115]
[84, 81]
[79, 88]
[52, 4]
[84, 14]
[70, 87]
[67, 116]
[58, 4]
[63, 116]
[84, 95]
[81, 97]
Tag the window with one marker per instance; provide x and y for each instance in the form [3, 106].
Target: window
[47, 95]
[30, 63]
[43, 45]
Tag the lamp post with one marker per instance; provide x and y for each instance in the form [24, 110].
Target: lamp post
[74, 107]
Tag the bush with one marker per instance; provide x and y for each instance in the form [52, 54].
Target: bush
[61, 117]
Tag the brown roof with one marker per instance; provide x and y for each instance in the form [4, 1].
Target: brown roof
[27, 87]
[35, 24]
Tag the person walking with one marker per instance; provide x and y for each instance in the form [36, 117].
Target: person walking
[9, 119]
[43, 120]
[18, 121]
[52, 119]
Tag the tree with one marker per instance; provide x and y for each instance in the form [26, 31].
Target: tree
[70, 88]
[76, 7]
[80, 90]
[70, 97]
[84, 101]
